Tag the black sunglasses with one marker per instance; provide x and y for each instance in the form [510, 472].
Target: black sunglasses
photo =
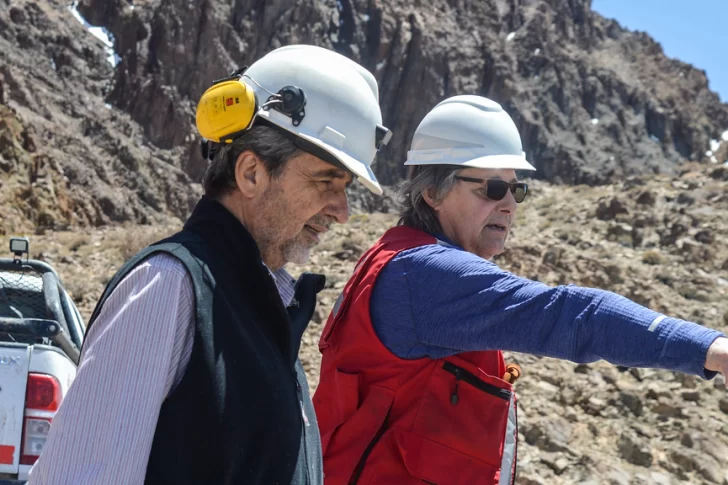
[497, 189]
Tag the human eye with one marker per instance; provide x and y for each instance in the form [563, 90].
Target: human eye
[326, 184]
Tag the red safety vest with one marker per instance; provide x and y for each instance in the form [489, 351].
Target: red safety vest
[387, 420]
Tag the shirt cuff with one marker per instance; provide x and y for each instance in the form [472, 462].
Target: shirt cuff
[687, 347]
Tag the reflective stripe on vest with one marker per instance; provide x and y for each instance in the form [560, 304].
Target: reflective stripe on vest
[510, 445]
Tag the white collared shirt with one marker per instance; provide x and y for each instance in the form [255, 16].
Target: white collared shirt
[135, 354]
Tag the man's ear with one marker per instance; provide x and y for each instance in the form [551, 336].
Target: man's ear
[429, 196]
[250, 174]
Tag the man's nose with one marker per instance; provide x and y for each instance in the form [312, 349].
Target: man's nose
[338, 207]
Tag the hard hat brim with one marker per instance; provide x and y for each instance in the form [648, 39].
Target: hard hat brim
[362, 172]
[495, 162]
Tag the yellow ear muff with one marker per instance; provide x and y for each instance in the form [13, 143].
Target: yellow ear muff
[225, 109]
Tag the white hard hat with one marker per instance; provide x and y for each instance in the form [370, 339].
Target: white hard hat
[471, 131]
[342, 114]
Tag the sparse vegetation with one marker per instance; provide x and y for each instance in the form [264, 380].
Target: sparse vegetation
[78, 242]
[652, 257]
[136, 238]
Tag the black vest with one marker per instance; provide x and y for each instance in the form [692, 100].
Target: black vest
[242, 413]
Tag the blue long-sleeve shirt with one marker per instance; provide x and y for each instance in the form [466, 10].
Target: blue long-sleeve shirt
[438, 300]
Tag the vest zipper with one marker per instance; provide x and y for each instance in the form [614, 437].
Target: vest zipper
[465, 376]
[454, 397]
[362, 461]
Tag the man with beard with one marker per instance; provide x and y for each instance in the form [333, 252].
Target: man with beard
[190, 371]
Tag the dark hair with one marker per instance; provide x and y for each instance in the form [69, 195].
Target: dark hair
[416, 212]
[272, 146]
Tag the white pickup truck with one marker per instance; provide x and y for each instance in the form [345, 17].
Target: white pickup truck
[41, 333]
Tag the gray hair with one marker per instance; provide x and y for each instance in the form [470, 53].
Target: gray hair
[416, 212]
[269, 144]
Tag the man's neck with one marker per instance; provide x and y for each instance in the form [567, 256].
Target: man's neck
[234, 205]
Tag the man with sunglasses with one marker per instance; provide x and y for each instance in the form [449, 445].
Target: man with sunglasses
[413, 385]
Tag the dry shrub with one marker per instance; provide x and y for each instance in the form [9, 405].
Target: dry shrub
[135, 239]
[653, 257]
[78, 241]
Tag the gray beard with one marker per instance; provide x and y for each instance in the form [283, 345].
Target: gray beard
[295, 251]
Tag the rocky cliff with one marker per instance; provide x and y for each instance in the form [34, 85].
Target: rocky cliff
[107, 88]
[592, 101]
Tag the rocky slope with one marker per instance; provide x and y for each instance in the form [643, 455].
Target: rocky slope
[658, 240]
[92, 163]
[592, 100]
[110, 108]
